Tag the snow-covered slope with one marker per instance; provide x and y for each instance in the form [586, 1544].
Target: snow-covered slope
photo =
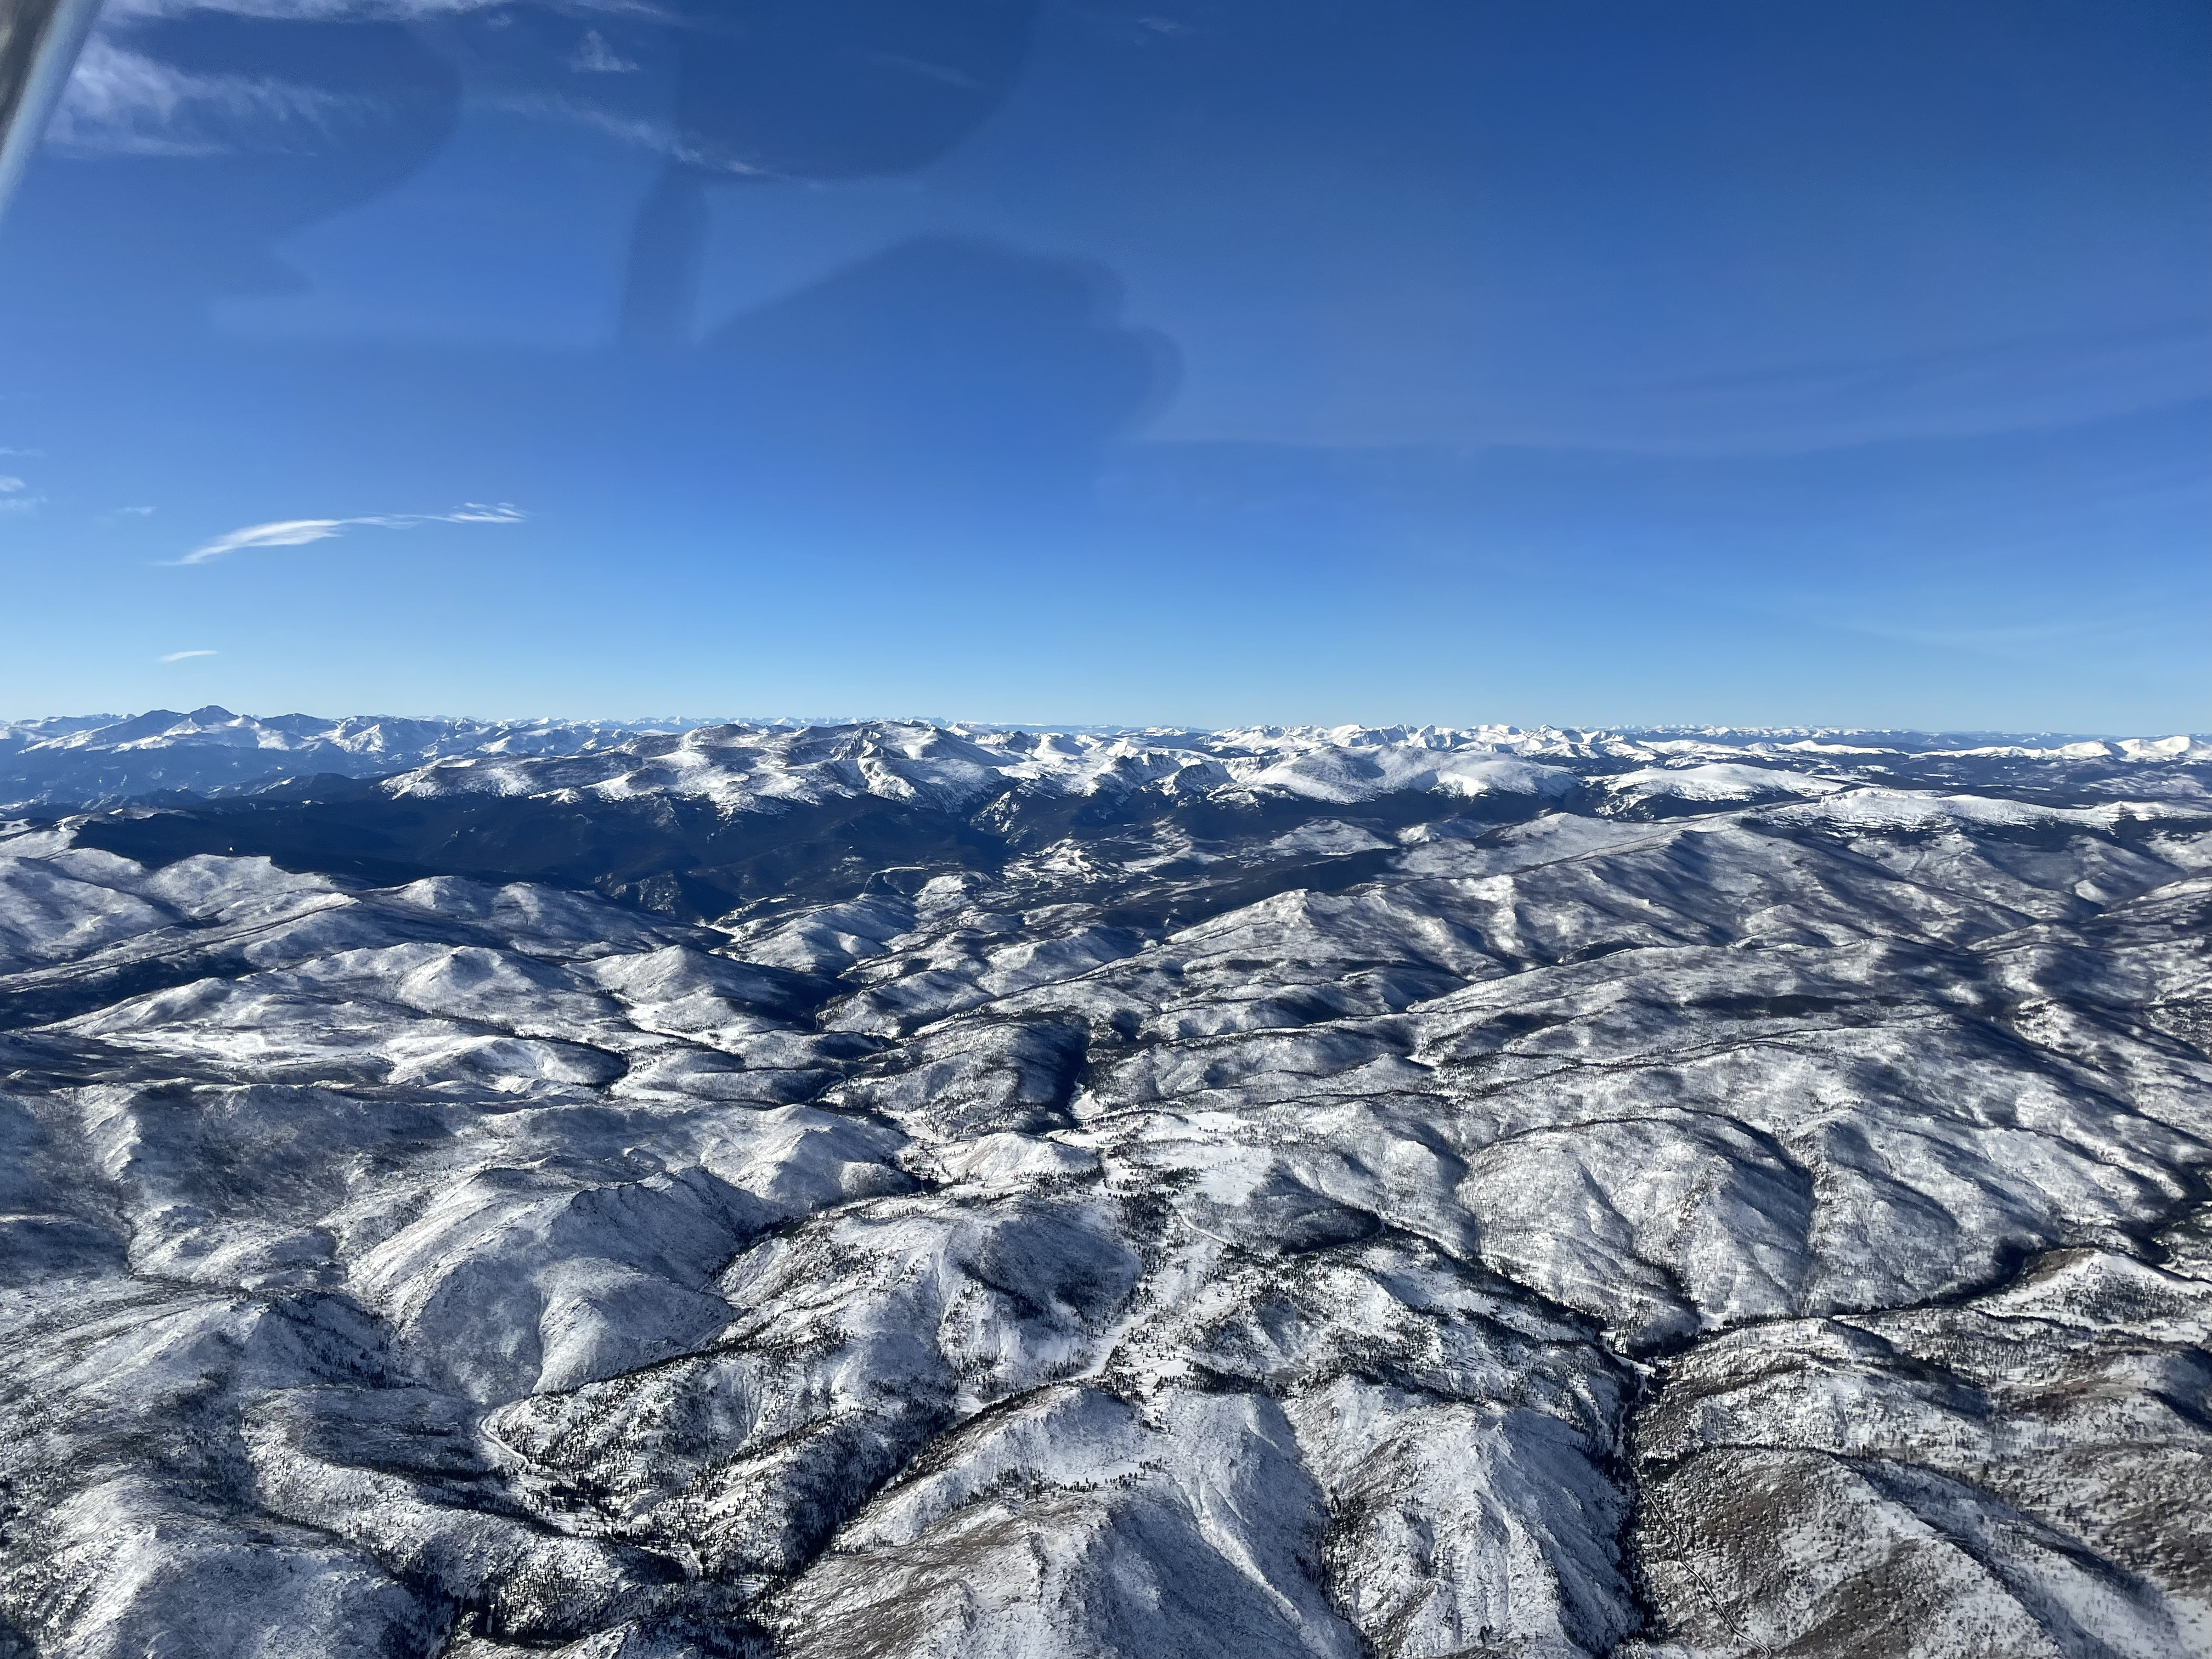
[891, 1190]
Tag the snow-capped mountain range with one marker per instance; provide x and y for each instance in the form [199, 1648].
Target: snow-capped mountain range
[890, 1190]
[100, 761]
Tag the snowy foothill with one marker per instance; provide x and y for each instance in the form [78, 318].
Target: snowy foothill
[897, 1191]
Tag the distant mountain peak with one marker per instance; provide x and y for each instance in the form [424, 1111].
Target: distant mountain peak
[746, 764]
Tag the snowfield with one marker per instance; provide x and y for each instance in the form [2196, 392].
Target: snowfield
[890, 1191]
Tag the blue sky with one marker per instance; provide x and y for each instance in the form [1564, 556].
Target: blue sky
[1193, 361]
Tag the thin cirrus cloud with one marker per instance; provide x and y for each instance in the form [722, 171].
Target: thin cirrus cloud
[121, 102]
[595, 57]
[339, 11]
[179, 656]
[659, 137]
[298, 533]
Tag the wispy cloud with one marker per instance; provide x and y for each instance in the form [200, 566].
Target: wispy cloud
[657, 137]
[595, 57]
[928, 71]
[9, 486]
[2046, 383]
[14, 496]
[373, 11]
[135, 512]
[121, 102]
[298, 533]
[2049, 382]
[307, 11]
[179, 656]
